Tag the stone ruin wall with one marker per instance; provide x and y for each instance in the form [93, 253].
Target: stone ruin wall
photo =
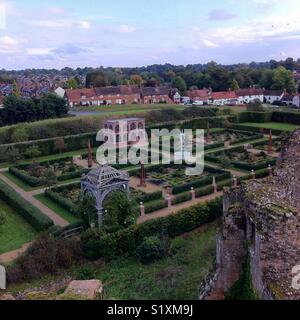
[264, 215]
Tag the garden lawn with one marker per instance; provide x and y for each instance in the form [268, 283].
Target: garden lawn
[273, 125]
[65, 214]
[15, 232]
[175, 278]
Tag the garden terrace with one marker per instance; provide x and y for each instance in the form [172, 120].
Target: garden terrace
[174, 176]
[35, 174]
[241, 158]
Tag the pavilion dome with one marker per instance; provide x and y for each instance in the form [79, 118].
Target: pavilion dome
[104, 175]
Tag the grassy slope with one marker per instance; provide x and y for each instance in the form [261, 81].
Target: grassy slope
[15, 232]
[175, 277]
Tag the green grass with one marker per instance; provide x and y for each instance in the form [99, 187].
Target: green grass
[272, 125]
[177, 277]
[65, 214]
[128, 108]
[15, 232]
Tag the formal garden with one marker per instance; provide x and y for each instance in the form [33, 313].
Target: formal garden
[241, 158]
[46, 171]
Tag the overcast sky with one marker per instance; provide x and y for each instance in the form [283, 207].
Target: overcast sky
[78, 33]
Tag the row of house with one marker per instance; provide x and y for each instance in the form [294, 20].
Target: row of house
[130, 94]
[124, 94]
[239, 97]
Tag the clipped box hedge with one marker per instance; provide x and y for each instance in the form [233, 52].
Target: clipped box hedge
[125, 241]
[31, 214]
[155, 205]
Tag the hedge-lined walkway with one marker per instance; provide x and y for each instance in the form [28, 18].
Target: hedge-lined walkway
[29, 197]
[175, 208]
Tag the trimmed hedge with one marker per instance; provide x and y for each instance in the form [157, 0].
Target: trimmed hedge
[287, 117]
[31, 214]
[57, 231]
[260, 117]
[126, 241]
[30, 180]
[243, 127]
[147, 197]
[155, 205]
[62, 201]
[182, 197]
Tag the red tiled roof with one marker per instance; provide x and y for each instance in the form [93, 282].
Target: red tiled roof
[202, 94]
[76, 94]
[155, 91]
[275, 93]
[224, 95]
[249, 92]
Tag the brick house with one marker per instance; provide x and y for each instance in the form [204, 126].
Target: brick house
[224, 97]
[200, 97]
[150, 95]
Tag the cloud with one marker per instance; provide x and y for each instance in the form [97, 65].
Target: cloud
[124, 28]
[10, 44]
[221, 14]
[210, 44]
[60, 23]
[39, 51]
[70, 49]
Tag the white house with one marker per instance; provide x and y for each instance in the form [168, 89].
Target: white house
[223, 98]
[245, 96]
[296, 100]
[60, 92]
[272, 96]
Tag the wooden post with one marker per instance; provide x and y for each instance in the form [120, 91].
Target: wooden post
[169, 199]
[143, 176]
[142, 209]
[90, 155]
[270, 170]
[193, 193]
[214, 184]
[234, 182]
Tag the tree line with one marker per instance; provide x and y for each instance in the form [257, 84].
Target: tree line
[17, 109]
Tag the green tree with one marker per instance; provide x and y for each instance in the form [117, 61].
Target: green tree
[32, 152]
[136, 80]
[255, 106]
[72, 83]
[52, 106]
[50, 178]
[13, 155]
[59, 145]
[16, 90]
[87, 211]
[96, 78]
[234, 85]
[179, 84]
[120, 212]
[283, 79]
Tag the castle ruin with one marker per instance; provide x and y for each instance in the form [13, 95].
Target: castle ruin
[262, 221]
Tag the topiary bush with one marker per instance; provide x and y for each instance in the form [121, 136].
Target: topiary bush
[2, 218]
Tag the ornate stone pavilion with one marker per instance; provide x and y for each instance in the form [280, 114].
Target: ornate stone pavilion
[123, 132]
[102, 181]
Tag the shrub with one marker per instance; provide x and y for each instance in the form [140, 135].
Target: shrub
[155, 205]
[46, 255]
[96, 245]
[182, 197]
[31, 214]
[86, 273]
[2, 218]
[151, 249]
